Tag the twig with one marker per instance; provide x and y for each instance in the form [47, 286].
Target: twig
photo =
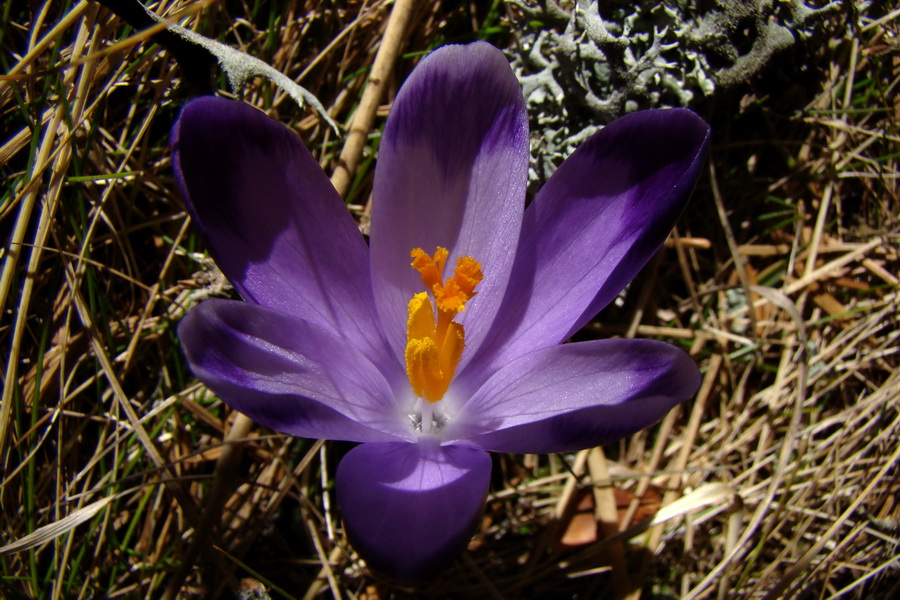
[739, 263]
[606, 514]
[364, 118]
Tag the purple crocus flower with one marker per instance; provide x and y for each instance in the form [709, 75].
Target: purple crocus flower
[441, 340]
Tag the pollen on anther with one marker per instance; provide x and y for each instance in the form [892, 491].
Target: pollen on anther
[431, 269]
[434, 342]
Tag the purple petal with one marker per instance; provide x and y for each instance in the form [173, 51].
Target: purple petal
[597, 221]
[289, 374]
[273, 222]
[452, 169]
[576, 396]
[409, 509]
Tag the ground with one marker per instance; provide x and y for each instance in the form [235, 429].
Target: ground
[780, 479]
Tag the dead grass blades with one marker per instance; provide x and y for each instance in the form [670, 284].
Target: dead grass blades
[123, 477]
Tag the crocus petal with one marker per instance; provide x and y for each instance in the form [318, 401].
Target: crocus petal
[289, 374]
[273, 222]
[576, 396]
[452, 169]
[593, 226]
[409, 509]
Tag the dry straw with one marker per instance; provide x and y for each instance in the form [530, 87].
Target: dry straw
[120, 473]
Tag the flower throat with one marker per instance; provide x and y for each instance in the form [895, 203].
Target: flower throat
[435, 342]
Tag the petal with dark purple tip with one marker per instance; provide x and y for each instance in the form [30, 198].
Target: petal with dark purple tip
[273, 222]
[289, 374]
[576, 396]
[410, 509]
[594, 225]
[452, 168]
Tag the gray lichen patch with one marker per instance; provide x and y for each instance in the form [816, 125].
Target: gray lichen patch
[582, 64]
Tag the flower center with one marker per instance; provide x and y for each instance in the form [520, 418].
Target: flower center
[434, 342]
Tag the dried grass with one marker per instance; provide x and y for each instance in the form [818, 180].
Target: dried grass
[122, 477]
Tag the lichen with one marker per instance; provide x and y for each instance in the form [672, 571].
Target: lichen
[582, 64]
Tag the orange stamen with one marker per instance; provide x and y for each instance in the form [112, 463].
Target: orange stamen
[435, 341]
